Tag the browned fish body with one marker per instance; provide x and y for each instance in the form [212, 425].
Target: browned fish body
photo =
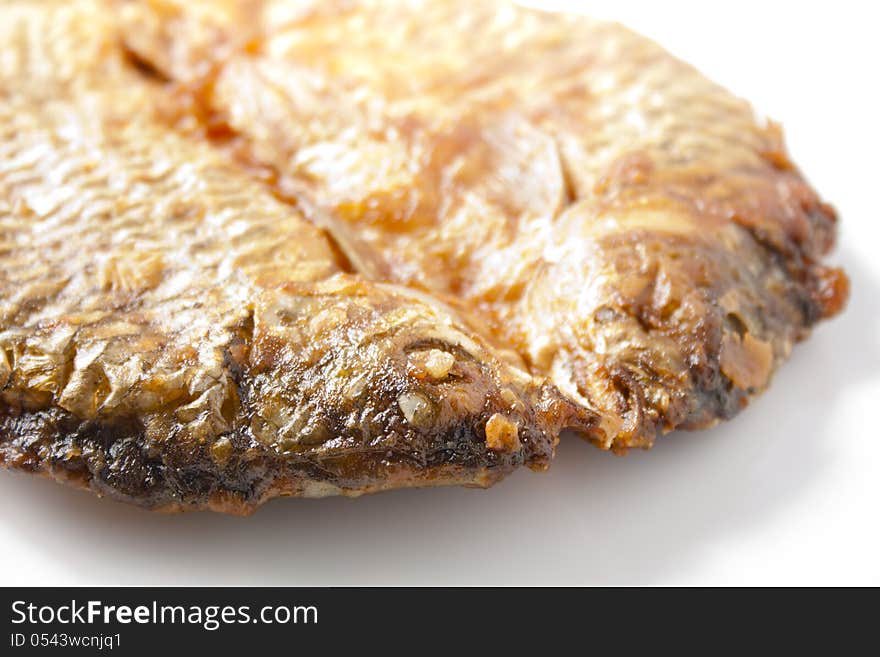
[174, 336]
[252, 248]
[627, 226]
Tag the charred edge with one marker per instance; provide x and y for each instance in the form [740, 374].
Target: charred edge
[115, 457]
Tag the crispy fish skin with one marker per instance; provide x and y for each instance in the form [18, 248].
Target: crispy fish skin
[173, 336]
[626, 225]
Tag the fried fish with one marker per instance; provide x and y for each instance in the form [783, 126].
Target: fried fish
[252, 248]
[628, 227]
[173, 335]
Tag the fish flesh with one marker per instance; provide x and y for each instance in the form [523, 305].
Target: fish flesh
[252, 249]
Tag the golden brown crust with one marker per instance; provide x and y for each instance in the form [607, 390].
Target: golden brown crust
[624, 224]
[344, 259]
[174, 336]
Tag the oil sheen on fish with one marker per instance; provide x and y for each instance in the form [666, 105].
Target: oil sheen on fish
[626, 225]
[255, 248]
[173, 335]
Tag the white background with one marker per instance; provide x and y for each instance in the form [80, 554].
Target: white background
[787, 493]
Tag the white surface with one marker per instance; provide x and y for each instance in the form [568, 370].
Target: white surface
[785, 493]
